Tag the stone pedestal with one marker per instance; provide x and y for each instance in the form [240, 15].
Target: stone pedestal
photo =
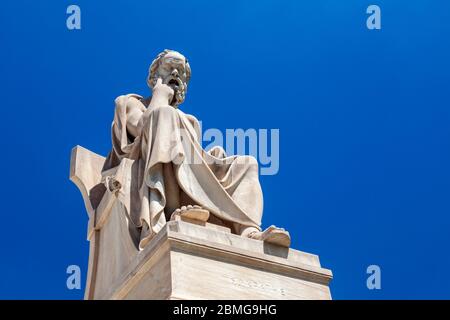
[187, 261]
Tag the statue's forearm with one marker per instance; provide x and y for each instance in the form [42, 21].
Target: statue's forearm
[158, 100]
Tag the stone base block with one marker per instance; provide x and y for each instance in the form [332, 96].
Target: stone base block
[188, 261]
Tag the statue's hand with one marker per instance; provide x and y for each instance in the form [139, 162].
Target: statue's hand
[162, 93]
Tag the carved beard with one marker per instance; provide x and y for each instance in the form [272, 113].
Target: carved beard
[179, 88]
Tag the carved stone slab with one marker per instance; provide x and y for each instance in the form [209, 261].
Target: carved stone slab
[187, 261]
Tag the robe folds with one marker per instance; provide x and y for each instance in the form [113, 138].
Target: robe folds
[170, 169]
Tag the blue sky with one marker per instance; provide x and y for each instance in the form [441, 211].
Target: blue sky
[363, 116]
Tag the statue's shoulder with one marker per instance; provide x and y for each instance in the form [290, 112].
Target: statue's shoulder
[190, 117]
[123, 99]
[192, 121]
[129, 101]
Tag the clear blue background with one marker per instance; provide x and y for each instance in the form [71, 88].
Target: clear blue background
[364, 119]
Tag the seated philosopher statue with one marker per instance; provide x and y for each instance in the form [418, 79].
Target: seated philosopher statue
[171, 174]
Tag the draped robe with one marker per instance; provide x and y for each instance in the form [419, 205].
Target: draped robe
[171, 169]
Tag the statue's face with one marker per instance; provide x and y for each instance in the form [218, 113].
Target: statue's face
[172, 71]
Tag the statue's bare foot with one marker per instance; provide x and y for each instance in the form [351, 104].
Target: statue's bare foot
[273, 235]
[191, 212]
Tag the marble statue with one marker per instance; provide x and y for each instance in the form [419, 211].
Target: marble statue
[170, 220]
[171, 174]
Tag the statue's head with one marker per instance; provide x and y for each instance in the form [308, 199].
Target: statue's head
[174, 70]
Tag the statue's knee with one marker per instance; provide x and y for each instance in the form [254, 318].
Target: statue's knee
[248, 161]
[252, 161]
